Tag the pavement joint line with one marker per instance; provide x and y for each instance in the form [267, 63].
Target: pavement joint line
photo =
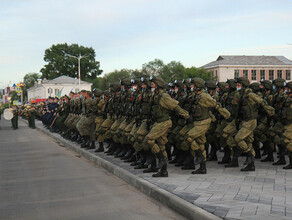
[172, 201]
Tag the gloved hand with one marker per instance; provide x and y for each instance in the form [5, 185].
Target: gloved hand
[230, 119]
[190, 120]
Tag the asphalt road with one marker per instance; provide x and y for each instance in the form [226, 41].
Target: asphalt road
[39, 179]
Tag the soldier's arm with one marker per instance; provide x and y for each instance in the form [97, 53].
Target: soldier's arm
[169, 103]
[208, 101]
[255, 98]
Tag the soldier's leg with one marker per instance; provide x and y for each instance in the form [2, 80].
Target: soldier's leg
[156, 139]
[287, 141]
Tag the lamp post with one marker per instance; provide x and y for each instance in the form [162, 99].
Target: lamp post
[78, 58]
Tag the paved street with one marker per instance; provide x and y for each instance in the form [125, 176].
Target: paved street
[227, 192]
[41, 180]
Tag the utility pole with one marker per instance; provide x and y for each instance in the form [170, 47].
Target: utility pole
[78, 58]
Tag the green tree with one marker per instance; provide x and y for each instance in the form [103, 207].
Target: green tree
[153, 68]
[192, 72]
[172, 71]
[60, 62]
[29, 80]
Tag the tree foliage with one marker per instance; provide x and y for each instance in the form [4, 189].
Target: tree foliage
[59, 62]
[29, 80]
[169, 72]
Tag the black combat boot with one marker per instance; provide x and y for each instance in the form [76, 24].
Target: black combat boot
[162, 160]
[111, 147]
[189, 163]
[213, 153]
[91, 145]
[176, 153]
[141, 162]
[236, 153]
[138, 156]
[100, 147]
[199, 157]
[130, 151]
[248, 167]
[181, 158]
[249, 158]
[289, 166]
[282, 160]
[84, 143]
[152, 168]
[256, 147]
[133, 157]
[118, 149]
[123, 152]
[168, 150]
[79, 139]
[269, 158]
[202, 169]
[227, 156]
[162, 172]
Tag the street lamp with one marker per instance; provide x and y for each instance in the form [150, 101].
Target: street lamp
[78, 58]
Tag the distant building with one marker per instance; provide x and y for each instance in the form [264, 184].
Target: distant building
[254, 68]
[62, 85]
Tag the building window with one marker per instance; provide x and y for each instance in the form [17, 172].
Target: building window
[271, 74]
[57, 91]
[263, 74]
[236, 74]
[245, 73]
[279, 74]
[253, 75]
[288, 74]
[76, 90]
[50, 91]
[216, 74]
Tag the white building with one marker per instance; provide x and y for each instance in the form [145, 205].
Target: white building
[46, 88]
[254, 68]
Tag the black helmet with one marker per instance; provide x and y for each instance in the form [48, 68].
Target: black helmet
[279, 83]
[255, 87]
[126, 82]
[145, 81]
[211, 84]
[231, 83]
[267, 84]
[179, 84]
[158, 81]
[222, 86]
[288, 84]
[242, 80]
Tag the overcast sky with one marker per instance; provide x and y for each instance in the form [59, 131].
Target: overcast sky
[128, 33]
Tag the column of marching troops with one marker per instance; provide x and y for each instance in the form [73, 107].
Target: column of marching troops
[145, 121]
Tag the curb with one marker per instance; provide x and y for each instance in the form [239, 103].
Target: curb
[172, 201]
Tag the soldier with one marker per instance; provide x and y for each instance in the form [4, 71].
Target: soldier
[246, 122]
[276, 129]
[31, 116]
[157, 137]
[86, 124]
[14, 120]
[200, 120]
[286, 117]
[210, 137]
[98, 107]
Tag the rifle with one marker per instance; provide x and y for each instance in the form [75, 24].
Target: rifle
[239, 109]
[54, 120]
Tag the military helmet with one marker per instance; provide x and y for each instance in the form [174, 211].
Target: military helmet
[289, 85]
[242, 80]
[186, 82]
[255, 87]
[158, 81]
[199, 82]
[126, 82]
[145, 81]
[222, 86]
[231, 83]
[210, 84]
[267, 84]
[116, 87]
[97, 92]
[136, 81]
[106, 92]
[179, 84]
[279, 82]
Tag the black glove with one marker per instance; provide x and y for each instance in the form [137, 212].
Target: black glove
[237, 124]
[190, 120]
[230, 119]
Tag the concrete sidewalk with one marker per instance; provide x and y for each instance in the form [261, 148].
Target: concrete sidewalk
[225, 192]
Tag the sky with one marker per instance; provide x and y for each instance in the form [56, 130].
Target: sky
[129, 33]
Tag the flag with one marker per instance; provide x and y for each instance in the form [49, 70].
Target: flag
[59, 93]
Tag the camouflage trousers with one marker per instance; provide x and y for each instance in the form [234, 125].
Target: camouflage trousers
[287, 138]
[157, 137]
[85, 126]
[103, 129]
[245, 137]
[138, 133]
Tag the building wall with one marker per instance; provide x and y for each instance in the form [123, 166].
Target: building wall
[227, 72]
[43, 92]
